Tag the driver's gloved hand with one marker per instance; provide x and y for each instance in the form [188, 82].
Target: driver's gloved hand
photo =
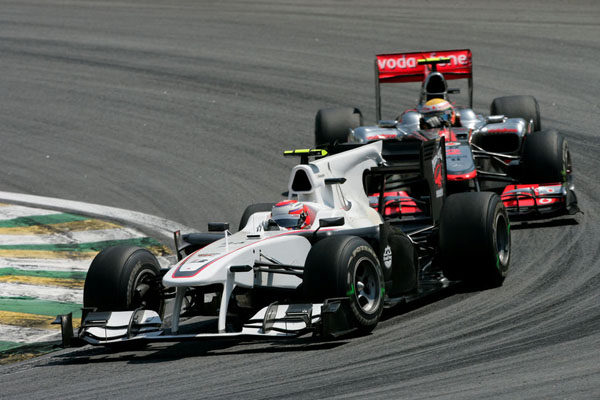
[434, 122]
[271, 225]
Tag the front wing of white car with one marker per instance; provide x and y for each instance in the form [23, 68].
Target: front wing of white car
[275, 321]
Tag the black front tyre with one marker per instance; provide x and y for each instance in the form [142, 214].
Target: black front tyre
[475, 239]
[525, 107]
[346, 266]
[545, 158]
[123, 278]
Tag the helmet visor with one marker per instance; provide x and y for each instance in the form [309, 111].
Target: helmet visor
[288, 221]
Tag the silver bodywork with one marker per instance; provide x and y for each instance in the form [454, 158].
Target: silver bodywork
[482, 153]
[475, 127]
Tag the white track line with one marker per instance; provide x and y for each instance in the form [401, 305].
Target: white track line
[155, 224]
[62, 294]
[73, 237]
[161, 225]
[13, 211]
[62, 264]
[19, 334]
[45, 264]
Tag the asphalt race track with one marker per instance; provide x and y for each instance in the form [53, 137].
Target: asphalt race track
[181, 109]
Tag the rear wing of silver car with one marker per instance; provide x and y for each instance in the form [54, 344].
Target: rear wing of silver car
[422, 66]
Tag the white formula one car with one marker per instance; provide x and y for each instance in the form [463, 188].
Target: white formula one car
[325, 261]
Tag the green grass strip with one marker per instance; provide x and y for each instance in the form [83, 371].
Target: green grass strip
[92, 246]
[41, 220]
[43, 274]
[31, 305]
[9, 345]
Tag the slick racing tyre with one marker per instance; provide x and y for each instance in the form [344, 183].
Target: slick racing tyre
[545, 158]
[525, 107]
[346, 266]
[251, 209]
[332, 125]
[123, 278]
[475, 239]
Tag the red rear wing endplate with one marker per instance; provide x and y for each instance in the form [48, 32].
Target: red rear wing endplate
[404, 67]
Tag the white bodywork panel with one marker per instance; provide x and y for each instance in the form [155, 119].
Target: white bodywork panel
[257, 243]
[211, 264]
[349, 196]
[116, 328]
[118, 324]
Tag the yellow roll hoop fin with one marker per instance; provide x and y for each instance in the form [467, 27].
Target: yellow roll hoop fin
[305, 153]
[309, 152]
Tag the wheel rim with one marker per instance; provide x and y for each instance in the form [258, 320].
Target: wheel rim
[145, 292]
[366, 284]
[502, 239]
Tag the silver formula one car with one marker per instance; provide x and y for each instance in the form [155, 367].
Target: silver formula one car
[324, 261]
[506, 152]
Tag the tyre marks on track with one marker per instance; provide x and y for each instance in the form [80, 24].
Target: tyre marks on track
[44, 257]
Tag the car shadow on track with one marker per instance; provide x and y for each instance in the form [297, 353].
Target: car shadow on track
[422, 302]
[172, 351]
[456, 292]
[518, 225]
[163, 352]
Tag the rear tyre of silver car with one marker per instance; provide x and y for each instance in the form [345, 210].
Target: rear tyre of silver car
[123, 278]
[525, 107]
[545, 158]
[346, 266]
[475, 239]
[332, 125]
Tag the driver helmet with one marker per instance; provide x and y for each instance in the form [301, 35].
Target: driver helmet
[291, 214]
[437, 113]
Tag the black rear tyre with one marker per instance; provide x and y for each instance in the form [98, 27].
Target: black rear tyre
[525, 107]
[251, 209]
[333, 124]
[123, 278]
[475, 239]
[346, 266]
[545, 158]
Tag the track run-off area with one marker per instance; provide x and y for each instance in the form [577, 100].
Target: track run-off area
[181, 110]
[44, 257]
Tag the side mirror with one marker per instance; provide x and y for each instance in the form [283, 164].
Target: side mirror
[334, 221]
[333, 181]
[387, 123]
[495, 119]
[218, 226]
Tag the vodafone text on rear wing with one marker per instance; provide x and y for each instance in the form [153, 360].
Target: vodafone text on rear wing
[405, 67]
